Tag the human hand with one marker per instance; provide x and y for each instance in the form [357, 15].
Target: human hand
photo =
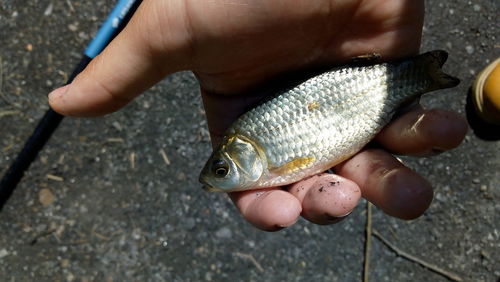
[233, 46]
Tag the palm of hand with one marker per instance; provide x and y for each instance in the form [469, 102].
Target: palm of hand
[247, 47]
[239, 43]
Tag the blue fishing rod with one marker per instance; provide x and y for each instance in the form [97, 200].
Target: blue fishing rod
[115, 22]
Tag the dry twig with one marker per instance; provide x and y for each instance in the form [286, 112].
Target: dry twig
[54, 177]
[42, 235]
[115, 140]
[164, 156]
[250, 258]
[368, 241]
[1, 77]
[2, 83]
[132, 160]
[8, 113]
[71, 8]
[412, 258]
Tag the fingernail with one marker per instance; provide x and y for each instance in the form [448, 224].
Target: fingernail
[286, 224]
[437, 150]
[334, 219]
[432, 152]
[58, 92]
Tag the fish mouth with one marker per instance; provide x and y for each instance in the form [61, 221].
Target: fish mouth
[209, 188]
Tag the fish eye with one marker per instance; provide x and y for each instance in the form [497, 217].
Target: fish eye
[220, 168]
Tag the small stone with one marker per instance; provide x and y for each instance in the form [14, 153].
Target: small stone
[83, 209]
[117, 125]
[181, 176]
[136, 234]
[476, 181]
[169, 228]
[3, 253]
[73, 27]
[224, 233]
[83, 35]
[29, 47]
[48, 10]
[190, 223]
[469, 49]
[46, 197]
[485, 254]
[476, 8]
[440, 197]
[64, 263]
[483, 188]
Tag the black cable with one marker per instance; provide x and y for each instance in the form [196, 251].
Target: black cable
[45, 128]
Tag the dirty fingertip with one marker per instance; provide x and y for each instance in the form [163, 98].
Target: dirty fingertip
[329, 199]
[56, 96]
[405, 194]
[269, 210]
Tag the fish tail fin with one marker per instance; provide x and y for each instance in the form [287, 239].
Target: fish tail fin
[433, 62]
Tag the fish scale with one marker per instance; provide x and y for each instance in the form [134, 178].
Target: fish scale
[306, 126]
[320, 122]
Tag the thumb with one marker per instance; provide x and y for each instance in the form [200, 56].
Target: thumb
[152, 45]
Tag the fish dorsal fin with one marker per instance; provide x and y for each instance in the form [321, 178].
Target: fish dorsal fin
[365, 60]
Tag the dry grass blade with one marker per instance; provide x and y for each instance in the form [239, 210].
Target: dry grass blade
[165, 157]
[368, 241]
[1, 76]
[412, 258]
[251, 259]
[132, 160]
[9, 113]
[71, 8]
[54, 177]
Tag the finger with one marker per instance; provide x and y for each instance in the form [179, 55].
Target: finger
[269, 209]
[326, 198]
[388, 184]
[130, 64]
[223, 110]
[423, 132]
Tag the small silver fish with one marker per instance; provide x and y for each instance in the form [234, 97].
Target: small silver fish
[320, 122]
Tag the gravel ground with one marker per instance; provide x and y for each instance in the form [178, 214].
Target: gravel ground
[101, 204]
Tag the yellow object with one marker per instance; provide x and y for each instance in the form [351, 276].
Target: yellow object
[486, 93]
[294, 165]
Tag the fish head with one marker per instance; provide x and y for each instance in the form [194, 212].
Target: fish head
[235, 165]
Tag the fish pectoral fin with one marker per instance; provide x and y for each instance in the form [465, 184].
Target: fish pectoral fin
[293, 165]
[365, 60]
